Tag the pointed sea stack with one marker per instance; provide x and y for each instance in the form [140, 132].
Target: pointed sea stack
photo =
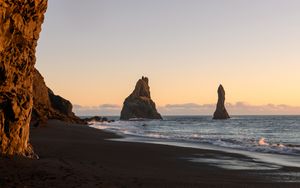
[221, 112]
[139, 103]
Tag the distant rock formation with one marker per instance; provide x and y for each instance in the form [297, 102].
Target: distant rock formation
[47, 105]
[98, 119]
[20, 26]
[221, 112]
[139, 103]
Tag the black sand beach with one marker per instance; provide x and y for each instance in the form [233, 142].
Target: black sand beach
[79, 156]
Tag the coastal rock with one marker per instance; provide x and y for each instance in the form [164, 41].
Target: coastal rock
[20, 23]
[139, 103]
[98, 119]
[47, 105]
[62, 109]
[41, 100]
[221, 112]
[60, 104]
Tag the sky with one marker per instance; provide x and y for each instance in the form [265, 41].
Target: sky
[92, 53]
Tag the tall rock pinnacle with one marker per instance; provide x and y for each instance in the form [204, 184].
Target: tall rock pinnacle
[221, 112]
[20, 25]
[139, 103]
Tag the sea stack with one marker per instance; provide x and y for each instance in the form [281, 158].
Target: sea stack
[20, 26]
[221, 112]
[139, 103]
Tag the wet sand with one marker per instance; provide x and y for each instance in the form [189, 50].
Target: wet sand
[79, 156]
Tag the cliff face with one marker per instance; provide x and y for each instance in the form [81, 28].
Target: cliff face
[47, 105]
[41, 100]
[139, 103]
[20, 23]
[221, 112]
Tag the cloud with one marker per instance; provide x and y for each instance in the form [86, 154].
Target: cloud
[100, 110]
[109, 106]
[184, 106]
[239, 108]
[186, 109]
[268, 109]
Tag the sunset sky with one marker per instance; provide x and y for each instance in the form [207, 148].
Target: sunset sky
[93, 52]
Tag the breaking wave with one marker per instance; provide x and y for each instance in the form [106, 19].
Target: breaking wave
[265, 134]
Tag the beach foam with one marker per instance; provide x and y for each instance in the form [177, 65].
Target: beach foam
[262, 138]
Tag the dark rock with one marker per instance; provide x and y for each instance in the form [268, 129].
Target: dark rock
[20, 25]
[98, 119]
[60, 104]
[41, 103]
[94, 118]
[47, 105]
[139, 103]
[221, 112]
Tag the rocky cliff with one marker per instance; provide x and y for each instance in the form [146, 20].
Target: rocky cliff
[139, 103]
[20, 25]
[47, 105]
[221, 112]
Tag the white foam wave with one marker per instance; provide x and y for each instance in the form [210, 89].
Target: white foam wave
[262, 142]
[193, 131]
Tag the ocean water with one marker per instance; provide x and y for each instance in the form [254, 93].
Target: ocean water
[264, 134]
[271, 142]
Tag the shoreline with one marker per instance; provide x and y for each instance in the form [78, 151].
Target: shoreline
[80, 156]
[279, 155]
[270, 158]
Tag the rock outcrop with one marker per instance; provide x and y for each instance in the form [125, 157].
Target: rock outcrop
[41, 101]
[47, 105]
[98, 119]
[139, 103]
[20, 25]
[221, 112]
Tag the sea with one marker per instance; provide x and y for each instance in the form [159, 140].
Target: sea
[272, 139]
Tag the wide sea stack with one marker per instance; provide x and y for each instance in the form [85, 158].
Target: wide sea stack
[221, 112]
[20, 23]
[139, 103]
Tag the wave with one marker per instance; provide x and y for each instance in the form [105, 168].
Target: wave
[262, 142]
[234, 134]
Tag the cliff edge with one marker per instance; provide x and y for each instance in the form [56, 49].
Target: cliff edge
[47, 105]
[20, 23]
